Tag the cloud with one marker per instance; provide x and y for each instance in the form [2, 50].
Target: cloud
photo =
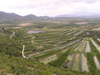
[50, 7]
[86, 1]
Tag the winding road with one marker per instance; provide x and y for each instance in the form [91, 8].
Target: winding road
[23, 52]
[12, 35]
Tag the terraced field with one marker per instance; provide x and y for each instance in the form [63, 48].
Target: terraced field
[67, 53]
[73, 45]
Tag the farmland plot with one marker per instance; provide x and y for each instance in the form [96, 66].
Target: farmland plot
[47, 51]
[49, 59]
[65, 32]
[98, 39]
[78, 46]
[73, 42]
[64, 50]
[91, 62]
[98, 57]
[84, 64]
[82, 47]
[76, 62]
[71, 33]
[61, 42]
[70, 58]
[93, 48]
[78, 33]
[68, 41]
[97, 62]
[87, 47]
[60, 59]
[95, 44]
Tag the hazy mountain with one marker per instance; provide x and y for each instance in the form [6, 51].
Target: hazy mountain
[82, 14]
[43, 17]
[14, 17]
[7, 16]
[31, 16]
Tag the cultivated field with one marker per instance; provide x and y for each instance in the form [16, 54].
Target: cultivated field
[65, 43]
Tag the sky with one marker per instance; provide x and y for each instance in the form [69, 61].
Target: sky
[50, 7]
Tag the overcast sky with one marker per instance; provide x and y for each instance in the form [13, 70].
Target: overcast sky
[50, 7]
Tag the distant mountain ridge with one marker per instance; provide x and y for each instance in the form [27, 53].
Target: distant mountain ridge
[15, 17]
[79, 15]
[7, 16]
[12, 16]
[31, 16]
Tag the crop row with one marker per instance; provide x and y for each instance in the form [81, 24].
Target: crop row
[98, 57]
[87, 47]
[91, 63]
[93, 48]
[95, 44]
[60, 60]
[96, 40]
[73, 42]
[69, 41]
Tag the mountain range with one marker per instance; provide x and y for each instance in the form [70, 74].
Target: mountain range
[12, 16]
[81, 14]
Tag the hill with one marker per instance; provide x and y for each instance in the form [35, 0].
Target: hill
[7, 16]
[80, 14]
[31, 16]
[15, 17]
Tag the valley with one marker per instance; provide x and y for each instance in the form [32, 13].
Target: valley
[65, 44]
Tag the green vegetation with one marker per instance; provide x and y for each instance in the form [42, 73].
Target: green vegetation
[57, 41]
[95, 39]
[60, 60]
[10, 46]
[98, 57]
[93, 48]
[91, 63]
[90, 34]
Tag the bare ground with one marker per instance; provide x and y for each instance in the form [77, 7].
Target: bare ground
[16, 27]
[81, 23]
[24, 24]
